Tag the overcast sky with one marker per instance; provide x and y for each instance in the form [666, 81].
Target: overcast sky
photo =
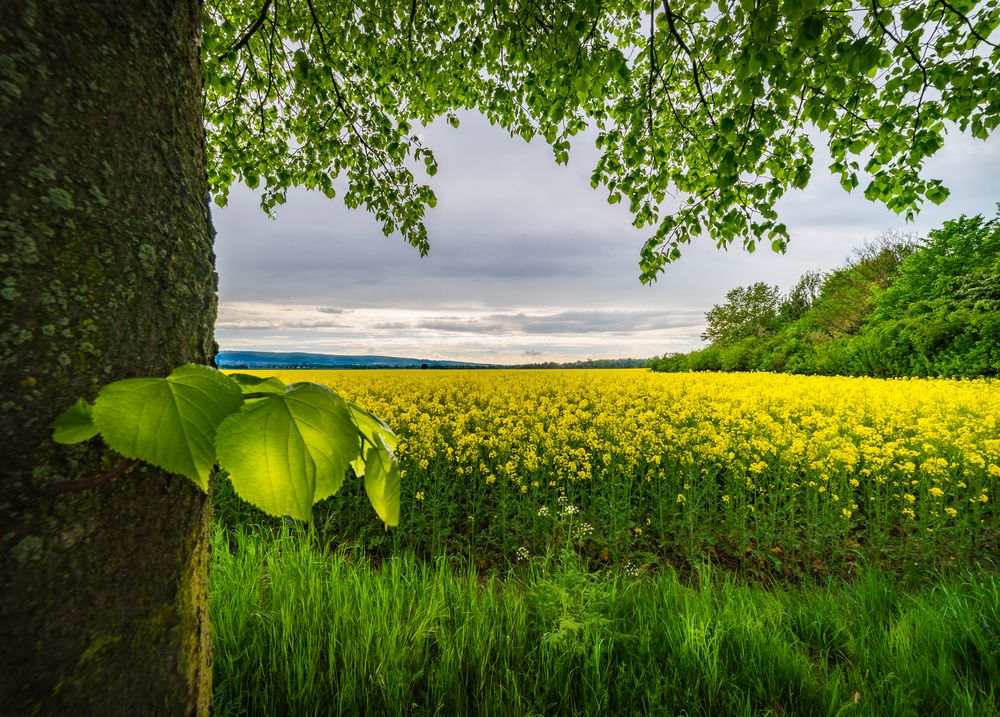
[527, 262]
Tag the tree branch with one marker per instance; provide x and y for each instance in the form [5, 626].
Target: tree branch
[652, 67]
[253, 28]
[965, 19]
[413, 16]
[694, 62]
[913, 54]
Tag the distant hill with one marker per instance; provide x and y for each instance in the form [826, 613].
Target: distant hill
[279, 360]
[271, 359]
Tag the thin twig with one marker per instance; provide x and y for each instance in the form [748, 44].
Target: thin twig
[694, 61]
[87, 483]
[916, 58]
[967, 22]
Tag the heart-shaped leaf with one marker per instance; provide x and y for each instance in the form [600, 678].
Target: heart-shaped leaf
[256, 384]
[168, 422]
[76, 424]
[371, 427]
[285, 452]
[382, 482]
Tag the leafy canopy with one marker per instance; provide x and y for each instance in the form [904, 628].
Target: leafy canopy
[900, 307]
[748, 311]
[284, 447]
[716, 103]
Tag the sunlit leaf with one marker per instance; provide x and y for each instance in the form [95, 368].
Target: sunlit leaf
[285, 452]
[257, 384]
[76, 424]
[168, 422]
[372, 428]
[382, 482]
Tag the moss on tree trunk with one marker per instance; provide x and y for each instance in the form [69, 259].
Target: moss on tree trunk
[107, 272]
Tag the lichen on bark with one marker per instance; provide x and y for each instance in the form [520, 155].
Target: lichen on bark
[106, 271]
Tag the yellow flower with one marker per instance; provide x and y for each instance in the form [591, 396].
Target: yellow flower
[541, 430]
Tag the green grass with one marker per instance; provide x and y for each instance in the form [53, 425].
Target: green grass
[301, 631]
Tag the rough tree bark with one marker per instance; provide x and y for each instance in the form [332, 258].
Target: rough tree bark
[107, 271]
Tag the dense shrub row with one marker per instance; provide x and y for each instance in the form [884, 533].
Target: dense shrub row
[899, 308]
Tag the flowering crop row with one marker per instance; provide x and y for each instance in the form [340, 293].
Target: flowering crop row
[787, 472]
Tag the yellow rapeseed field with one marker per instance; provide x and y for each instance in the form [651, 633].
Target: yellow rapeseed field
[774, 465]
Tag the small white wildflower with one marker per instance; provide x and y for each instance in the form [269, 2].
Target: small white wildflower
[523, 554]
[543, 512]
[632, 570]
[570, 510]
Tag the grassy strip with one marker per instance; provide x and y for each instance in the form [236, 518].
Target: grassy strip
[300, 632]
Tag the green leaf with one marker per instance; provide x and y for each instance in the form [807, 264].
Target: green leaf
[811, 30]
[284, 452]
[382, 482]
[75, 425]
[169, 422]
[372, 428]
[257, 384]
[938, 194]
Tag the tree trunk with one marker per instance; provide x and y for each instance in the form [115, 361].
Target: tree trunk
[108, 272]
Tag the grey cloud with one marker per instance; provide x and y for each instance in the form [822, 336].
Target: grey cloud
[468, 326]
[564, 322]
[514, 237]
[249, 325]
[601, 321]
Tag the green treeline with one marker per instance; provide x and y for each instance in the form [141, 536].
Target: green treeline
[899, 307]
